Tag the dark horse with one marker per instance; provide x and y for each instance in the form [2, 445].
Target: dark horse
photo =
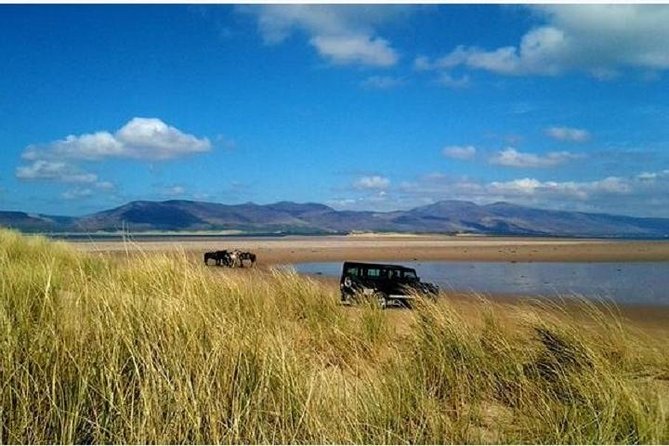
[220, 257]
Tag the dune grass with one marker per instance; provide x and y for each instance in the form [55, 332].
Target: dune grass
[160, 349]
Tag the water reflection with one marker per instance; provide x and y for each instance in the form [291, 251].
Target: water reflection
[643, 282]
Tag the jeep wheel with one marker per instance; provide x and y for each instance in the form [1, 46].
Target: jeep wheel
[382, 300]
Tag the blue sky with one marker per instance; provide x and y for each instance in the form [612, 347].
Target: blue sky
[358, 107]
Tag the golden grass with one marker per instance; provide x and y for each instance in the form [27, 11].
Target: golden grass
[158, 349]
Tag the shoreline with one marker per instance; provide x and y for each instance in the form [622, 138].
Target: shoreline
[653, 319]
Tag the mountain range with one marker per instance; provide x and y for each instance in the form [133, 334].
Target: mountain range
[312, 218]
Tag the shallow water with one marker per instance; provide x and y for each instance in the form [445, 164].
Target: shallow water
[639, 283]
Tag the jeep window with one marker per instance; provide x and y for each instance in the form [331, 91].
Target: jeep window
[352, 271]
[409, 274]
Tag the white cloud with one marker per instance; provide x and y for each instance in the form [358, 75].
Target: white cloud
[225, 143]
[449, 81]
[63, 172]
[382, 82]
[523, 186]
[598, 39]
[642, 194]
[87, 146]
[77, 194]
[140, 138]
[459, 152]
[340, 33]
[54, 171]
[422, 63]
[174, 191]
[151, 138]
[355, 49]
[105, 185]
[342, 202]
[373, 200]
[568, 189]
[372, 182]
[510, 157]
[568, 134]
[444, 78]
[653, 176]
[615, 185]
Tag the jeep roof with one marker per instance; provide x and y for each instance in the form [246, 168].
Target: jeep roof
[377, 265]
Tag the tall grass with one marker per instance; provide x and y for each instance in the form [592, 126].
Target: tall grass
[159, 349]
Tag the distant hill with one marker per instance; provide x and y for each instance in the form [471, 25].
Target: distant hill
[312, 218]
[34, 222]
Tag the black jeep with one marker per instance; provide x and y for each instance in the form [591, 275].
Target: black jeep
[387, 283]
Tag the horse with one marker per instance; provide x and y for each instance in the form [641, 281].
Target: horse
[236, 258]
[220, 257]
[247, 256]
[210, 255]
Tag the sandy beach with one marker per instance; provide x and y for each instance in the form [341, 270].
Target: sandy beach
[396, 247]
